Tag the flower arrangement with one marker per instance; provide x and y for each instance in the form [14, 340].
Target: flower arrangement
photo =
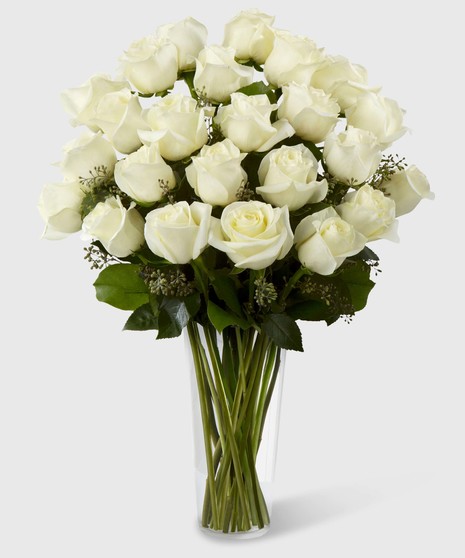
[232, 190]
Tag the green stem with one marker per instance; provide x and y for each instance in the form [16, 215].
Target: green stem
[241, 359]
[228, 512]
[253, 373]
[262, 397]
[270, 391]
[247, 429]
[241, 405]
[235, 387]
[292, 282]
[226, 416]
[205, 422]
[214, 394]
[201, 275]
[256, 491]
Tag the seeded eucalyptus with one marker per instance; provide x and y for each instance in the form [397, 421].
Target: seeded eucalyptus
[167, 282]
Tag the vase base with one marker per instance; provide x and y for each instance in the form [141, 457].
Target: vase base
[253, 533]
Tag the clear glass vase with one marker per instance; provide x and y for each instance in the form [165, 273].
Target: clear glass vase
[237, 381]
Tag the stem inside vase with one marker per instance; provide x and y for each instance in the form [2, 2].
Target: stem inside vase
[236, 374]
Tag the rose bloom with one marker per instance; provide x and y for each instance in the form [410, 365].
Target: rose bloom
[216, 173]
[178, 232]
[81, 102]
[353, 155]
[141, 174]
[324, 240]
[217, 74]
[379, 115]
[293, 58]
[251, 35]
[189, 36]
[253, 234]
[151, 64]
[311, 112]
[83, 154]
[60, 208]
[407, 188]
[370, 212]
[342, 79]
[120, 230]
[246, 122]
[288, 177]
[177, 127]
[118, 115]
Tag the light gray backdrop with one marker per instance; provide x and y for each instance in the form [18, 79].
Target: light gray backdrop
[95, 431]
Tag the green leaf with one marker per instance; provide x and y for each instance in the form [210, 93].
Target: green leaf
[201, 275]
[142, 319]
[309, 310]
[359, 285]
[221, 318]
[226, 290]
[259, 88]
[172, 319]
[366, 255]
[175, 314]
[192, 303]
[283, 330]
[237, 270]
[121, 286]
[154, 301]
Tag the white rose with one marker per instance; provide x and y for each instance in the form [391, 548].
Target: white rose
[81, 102]
[407, 188]
[178, 232]
[288, 177]
[141, 174]
[371, 213]
[293, 58]
[379, 115]
[352, 156]
[342, 79]
[253, 234]
[311, 112]
[324, 240]
[251, 35]
[217, 74]
[85, 153]
[178, 127]
[118, 115]
[120, 230]
[189, 36]
[151, 64]
[246, 122]
[216, 173]
[60, 208]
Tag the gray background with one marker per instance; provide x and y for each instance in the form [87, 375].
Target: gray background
[95, 424]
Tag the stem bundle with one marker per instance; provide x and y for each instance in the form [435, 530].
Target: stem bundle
[236, 375]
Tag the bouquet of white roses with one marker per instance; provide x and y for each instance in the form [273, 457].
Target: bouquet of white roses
[232, 190]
